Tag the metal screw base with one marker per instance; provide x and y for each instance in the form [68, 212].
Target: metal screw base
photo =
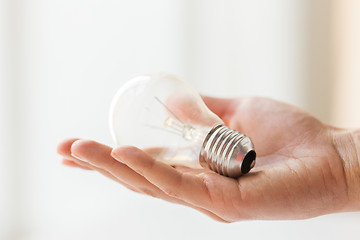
[227, 152]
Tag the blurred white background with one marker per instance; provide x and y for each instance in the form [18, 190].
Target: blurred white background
[63, 60]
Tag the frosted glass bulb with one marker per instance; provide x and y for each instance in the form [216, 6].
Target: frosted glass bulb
[166, 117]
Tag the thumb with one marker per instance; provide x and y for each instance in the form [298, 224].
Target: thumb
[219, 106]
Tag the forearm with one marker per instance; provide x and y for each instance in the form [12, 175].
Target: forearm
[347, 144]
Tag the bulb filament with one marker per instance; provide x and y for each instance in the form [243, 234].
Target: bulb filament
[187, 131]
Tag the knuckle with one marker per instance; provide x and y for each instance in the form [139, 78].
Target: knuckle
[208, 182]
[206, 179]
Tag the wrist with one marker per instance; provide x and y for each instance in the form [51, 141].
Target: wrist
[347, 144]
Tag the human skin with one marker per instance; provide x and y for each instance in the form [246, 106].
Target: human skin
[304, 168]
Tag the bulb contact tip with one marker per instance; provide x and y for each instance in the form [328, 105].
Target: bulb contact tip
[248, 161]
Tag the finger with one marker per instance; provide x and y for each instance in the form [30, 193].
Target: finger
[71, 163]
[75, 162]
[219, 106]
[182, 186]
[99, 157]
[64, 147]
[106, 174]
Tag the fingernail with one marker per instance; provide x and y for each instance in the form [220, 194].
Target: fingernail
[79, 158]
[113, 154]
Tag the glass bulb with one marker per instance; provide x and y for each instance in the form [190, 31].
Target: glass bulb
[167, 118]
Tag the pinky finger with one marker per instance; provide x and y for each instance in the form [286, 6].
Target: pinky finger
[71, 163]
[106, 174]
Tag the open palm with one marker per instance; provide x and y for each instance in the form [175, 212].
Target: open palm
[298, 172]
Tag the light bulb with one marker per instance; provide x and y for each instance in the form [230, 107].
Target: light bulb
[166, 117]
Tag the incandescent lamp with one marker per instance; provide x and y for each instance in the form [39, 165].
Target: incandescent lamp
[167, 118]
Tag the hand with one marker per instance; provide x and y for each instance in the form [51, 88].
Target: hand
[299, 171]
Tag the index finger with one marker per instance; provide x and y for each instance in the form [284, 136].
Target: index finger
[174, 183]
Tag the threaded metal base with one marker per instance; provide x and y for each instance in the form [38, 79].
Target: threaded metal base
[227, 152]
